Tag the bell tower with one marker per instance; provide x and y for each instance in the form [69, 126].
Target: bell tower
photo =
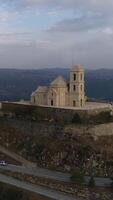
[77, 96]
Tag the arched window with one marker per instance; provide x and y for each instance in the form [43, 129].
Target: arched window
[81, 102]
[74, 87]
[74, 103]
[74, 77]
[81, 77]
[81, 87]
[51, 102]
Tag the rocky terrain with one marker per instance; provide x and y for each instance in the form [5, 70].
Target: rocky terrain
[61, 147]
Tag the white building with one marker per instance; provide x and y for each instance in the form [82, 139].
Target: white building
[60, 93]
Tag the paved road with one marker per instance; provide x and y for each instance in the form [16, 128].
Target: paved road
[59, 176]
[52, 194]
[31, 169]
[39, 172]
[100, 182]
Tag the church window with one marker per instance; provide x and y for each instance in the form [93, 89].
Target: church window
[52, 102]
[74, 103]
[81, 103]
[81, 88]
[81, 77]
[74, 87]
[68, 86]
[74, 77]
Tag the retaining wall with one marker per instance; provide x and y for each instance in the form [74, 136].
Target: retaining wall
[48, 113]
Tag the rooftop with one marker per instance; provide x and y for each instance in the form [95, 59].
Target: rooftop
[40, 89]
[59, 81]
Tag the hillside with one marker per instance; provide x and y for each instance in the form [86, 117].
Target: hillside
[18, 84]
[61, 147]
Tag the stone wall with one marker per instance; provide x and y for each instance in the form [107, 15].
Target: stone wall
[51, 114]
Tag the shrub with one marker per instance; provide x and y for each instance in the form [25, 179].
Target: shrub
[111, 181]
[104, 116]
[76, 119]
[77, 176]
[91, 182]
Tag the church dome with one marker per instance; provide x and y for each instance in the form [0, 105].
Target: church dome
[59, 82]
[77, 67]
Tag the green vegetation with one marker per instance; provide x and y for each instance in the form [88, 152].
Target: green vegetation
[103, 117]
[91, 182]
[54, 116]
[76, 119]
[111, 181]
[77, 176]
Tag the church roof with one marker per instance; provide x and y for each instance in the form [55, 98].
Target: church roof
[59, 81]
[77, 67]
[40, 89]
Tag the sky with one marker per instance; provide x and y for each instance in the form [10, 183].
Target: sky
[56, 33]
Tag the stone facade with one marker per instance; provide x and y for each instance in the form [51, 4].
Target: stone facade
[60, 93]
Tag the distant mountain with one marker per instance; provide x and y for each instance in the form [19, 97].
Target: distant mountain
[18, 84]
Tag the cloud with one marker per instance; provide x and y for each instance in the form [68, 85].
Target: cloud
[64, 4]
[8, 16]
[91, 50]
[83, 23]
[84, 34]
[19, 38]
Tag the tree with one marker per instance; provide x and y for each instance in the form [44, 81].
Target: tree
[92, 182]
[77, 176]
[111, 181]
[76, 119]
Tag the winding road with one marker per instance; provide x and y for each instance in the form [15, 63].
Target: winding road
[43, 191]
[54, 175]
[31, 169]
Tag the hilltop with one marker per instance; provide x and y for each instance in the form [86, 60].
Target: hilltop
[18, 84]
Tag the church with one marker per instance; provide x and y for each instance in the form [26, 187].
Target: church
[61, 93]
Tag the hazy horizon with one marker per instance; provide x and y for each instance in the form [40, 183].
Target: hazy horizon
[53, 68]
[46, 34]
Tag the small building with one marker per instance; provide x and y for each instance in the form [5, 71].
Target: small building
[60, 93]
